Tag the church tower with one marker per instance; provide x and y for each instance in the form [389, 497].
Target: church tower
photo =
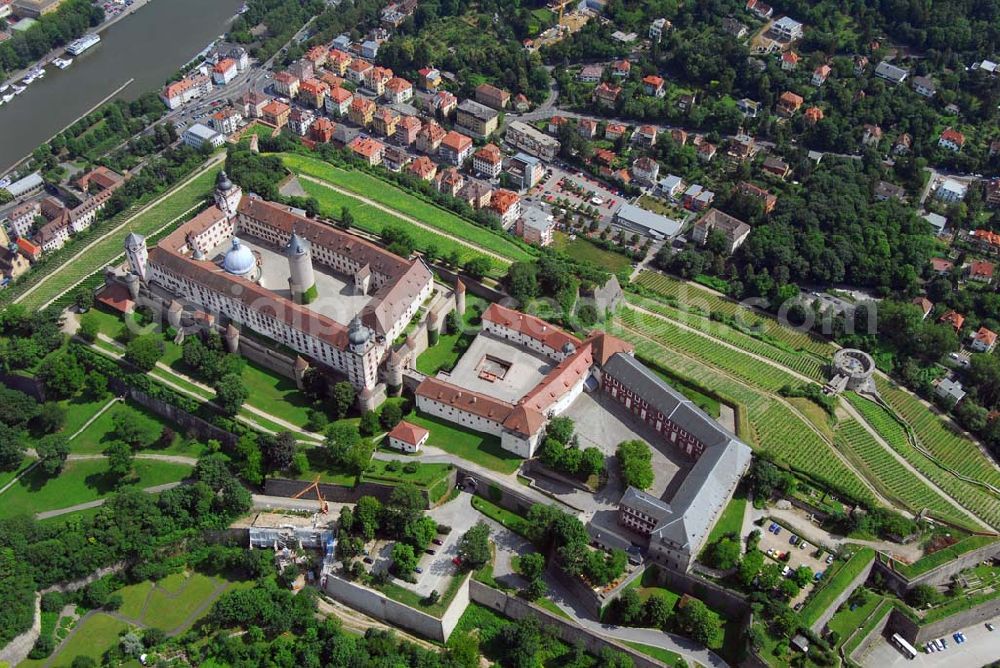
[301, 280]
[138, 255]
[227, 194]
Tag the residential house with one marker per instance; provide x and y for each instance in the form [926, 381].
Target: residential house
[476, 194]
[742, 147]
[524, 137]
[276, 113]
[398, 90]
[29, 250]
[886, 191]
[302, 69]
[953, 318]
[313, 92]
[653, 85]
[342, 42]
[697, 198]
[603, 156]
[318, 56]
[984, 340]
[614, 131]
[423, 168]
[951, 139]
[645, 170]
[536, 227]
[686, 101]
[645, 135]
[776, 166]
[669, 186]
[936, 221]
[492, 96]
[526, 170]
[226, 120]
[748, 107]
[224, 71]
[444, 103]
[981, 271]
[767, 200]
[358, 69]
[820, 75]
[734, 230]
[456, 148]
[813, 115]
[300, 120]
[590, 73]
[321, 131]
[369, 49]
[889, 72]
[395, 158]
[941, 266]
[407, 130]
[242, 58]
[361, 111]
[185, 90]
[23, 216]
[706, 151]
[338, 102]
[477, 119]
[759, 9]
[488, 161]
[521, 103]
[368, 149]
[951, 191]
[788, 104]
[986, 240]
[430, 79]
[449, 181]
[53, 235]
[507, 205]
[429, 138]
[657, 28]
[587, 128]
[904, 142]
[384, 122]
[407, 437]
[621, 69]
[606, 94]
[924, 304]
[556, 122]
[287, 84]
[338, 61]
[786, 29]
[789, 60]
[950, 389]
[252, 103]
[871, 135]
[924, 86]
[734, 28]
[376, 79]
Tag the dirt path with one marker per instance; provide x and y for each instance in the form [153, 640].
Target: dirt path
[406, 218]
[17, 649]
[97, 503]
[94, 417]
[121, 226]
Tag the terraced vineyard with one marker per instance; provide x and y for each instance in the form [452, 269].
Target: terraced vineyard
[972, 497]
[701, 347]
[695, 296]
[773, 427]
[803, 363]
[893, 478]
[952, 449]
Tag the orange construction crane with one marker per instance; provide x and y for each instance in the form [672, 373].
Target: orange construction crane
[323, 507]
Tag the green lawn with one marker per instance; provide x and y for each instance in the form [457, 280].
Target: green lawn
[660, 654]
[395, 198]
[95, 438]
[80, 482]
[93, 637]
[276, 394]
[78, 411]
[583, 249]
[846, 620]
[7, 476]
[103, 253]
[416, 601]
[425, 475]
[171, 603]
[820, 600]
[479, 448]
[450, 347]
[646, 586]
[502, 516]
[731, 520]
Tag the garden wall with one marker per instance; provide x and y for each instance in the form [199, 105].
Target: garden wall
[899, 584]
[190, 423]
[918, 634]
[567, 631]
[380, 606]
[730, 603]
[475, 287]
[873, 636]
[343, 494]
[29, 385]
[831, 610]
[267, 358]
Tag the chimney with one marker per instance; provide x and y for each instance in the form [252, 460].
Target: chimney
[474, 399]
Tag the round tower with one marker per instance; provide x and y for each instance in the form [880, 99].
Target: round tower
[132, 283]
[254, 144]
[300, 368]
[232, 339]
[135, 250]
[358, 336]
[394, 378]
[301, 280]
[460, 297]
[227, 194]
[433, 328]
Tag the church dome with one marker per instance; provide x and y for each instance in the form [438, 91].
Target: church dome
[222, 182]
[239, 259]
[356, 333]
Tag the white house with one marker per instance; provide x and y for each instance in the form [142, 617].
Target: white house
[408, 437]
[951, 191]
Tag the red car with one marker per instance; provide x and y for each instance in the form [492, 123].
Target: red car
[457, 561]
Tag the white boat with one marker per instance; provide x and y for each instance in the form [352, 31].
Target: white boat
[19, 89]
[62, 63]
[78, 46]
[4, 88]
[8, 97]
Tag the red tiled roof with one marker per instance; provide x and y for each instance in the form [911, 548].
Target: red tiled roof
[409, 433]
[456, 141]
[531, 326]
[953, 135]
[986, 336]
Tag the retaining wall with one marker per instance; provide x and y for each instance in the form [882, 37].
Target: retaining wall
[918, 634]
[380, 606]
[872, 637]
[265, 357]
[940, 575]
[190, 423]
[728, 602]
[565, 630]
[340, 493]
[30, 386]
[831, 610]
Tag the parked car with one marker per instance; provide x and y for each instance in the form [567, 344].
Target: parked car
[794, 539]
[989, 627]
[457, 561]
[368, 560]
[777, 530]
[829, 558]
[438, 541]
[429, 551]
[944, 643]
[929, 648]
[418, 570]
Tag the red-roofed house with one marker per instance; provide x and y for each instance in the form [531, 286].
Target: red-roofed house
[951, 139]
[429, 138]
[646, 135]
[606, 94]
[423, 168]
[789, 60]
[313, 92]
[488, 161]
[789, 103]
[430, 79]
[981, 271]
[507, 205]
[942, 266]
[408, 437]
[28, 249]
[587, 128]
[224, 71]
[614, 131]
[953, 318]
[287, 84]
[322, 130]
[492, 96]
[338, 102]
[820, 75]
[368, 149]
[621, 68]
[653, 85]
[924, 304]
[276, 113]
[456, 148]
[984, 340]
[338, 61]
[361, 111]
[398, 90]
[813, 115]
[407, 130]
[318, 56]
[384, 121]
[376, 78]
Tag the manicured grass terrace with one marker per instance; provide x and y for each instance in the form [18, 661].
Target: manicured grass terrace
[835, 585]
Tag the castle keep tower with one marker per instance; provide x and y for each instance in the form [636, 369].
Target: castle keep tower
[138, 255]
[301, 280]
[227, 194]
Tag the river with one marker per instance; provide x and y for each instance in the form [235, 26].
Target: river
[147, 46]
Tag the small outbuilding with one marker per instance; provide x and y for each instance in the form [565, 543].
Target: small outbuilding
[408, 437]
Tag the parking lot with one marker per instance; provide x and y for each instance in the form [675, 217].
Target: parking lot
[981, 646]
[777, 545]
[563, 182]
